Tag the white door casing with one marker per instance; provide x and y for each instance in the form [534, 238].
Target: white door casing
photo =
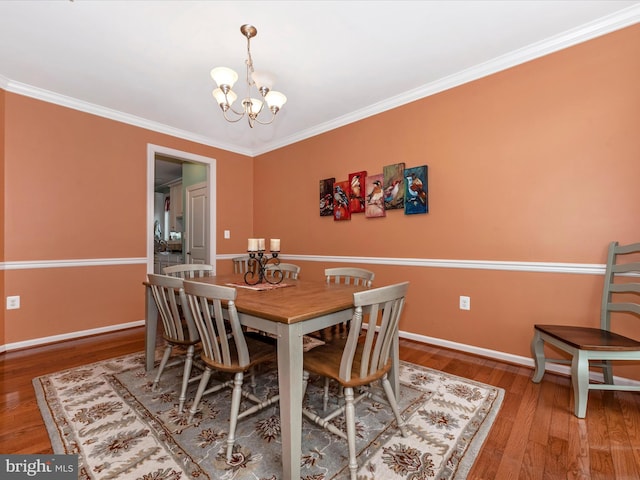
[152, 151]
[197, 224]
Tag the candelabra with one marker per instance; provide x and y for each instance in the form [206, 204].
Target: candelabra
[257, 271]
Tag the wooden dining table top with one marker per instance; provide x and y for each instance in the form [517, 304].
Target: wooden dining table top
[299, 300]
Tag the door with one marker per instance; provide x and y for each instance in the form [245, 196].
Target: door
[197, 223]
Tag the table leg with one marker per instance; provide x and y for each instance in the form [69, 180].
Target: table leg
[151, 329]
[290, 384]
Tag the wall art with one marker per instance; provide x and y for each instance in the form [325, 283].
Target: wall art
[416, 200]
[326, 197]
[393, 186]
[356, 191]
[374, 196]
[341, 201]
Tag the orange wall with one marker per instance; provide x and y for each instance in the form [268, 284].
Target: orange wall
[538, 163]
[75, 188]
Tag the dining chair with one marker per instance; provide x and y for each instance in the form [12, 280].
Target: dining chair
[289, 270]
[365, 358]
[189, 270]
[620, 296]
[237, 353]
[347, 276]
[179, 328]
[241, 264]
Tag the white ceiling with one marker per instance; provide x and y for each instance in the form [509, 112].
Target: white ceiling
[148, 62]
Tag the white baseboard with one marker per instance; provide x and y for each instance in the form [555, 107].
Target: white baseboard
[509, 358]
[68, 336]
[483, 352]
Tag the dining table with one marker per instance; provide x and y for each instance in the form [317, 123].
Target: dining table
[288, 311]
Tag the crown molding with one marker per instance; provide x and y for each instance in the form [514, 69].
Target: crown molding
[602, 26]
[623, 18]
[98, 110]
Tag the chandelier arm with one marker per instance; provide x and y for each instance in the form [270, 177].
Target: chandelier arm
[231, 120]
[241, 113]
[273, 117]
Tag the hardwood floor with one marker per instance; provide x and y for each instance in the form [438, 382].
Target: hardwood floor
[535, 436]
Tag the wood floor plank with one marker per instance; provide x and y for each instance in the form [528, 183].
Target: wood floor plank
[535, 436]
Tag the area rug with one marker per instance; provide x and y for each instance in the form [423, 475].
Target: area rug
[107, 413]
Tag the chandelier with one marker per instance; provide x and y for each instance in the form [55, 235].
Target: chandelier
[252, 107]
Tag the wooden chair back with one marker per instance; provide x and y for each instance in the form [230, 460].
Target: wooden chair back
[241, 264]
[370, 350]
[214, 312]
[189, 270]
[168, 294]
[619, 283]
[289, 270]
[349, 275]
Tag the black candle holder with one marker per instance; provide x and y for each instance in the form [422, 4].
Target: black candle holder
[258, 263]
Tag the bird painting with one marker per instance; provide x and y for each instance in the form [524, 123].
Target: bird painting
[341, 209]
[394, 186]
[326, 197]
[374, 196]
[356, 192]
[416, 190]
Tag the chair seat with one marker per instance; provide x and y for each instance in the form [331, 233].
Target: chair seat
[261, 351]
[588, 338]
[185, 342]
[325, 360]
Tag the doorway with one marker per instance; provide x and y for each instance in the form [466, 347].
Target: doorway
[209, 230]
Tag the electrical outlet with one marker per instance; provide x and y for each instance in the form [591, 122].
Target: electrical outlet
[465, 303]
[13, 303]
[227, 234]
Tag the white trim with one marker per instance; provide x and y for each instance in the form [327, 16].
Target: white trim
[543, 267]
[90, 262]
[152, 150]
[616, 21]
[547, 267]
[69, 336]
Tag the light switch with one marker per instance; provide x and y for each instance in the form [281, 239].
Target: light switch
[227, 234]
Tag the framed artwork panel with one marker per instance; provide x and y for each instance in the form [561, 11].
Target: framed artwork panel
[374, 196]
[357, 191]
[341, 201]
[416, 199]
[326, 197]
[393, 186]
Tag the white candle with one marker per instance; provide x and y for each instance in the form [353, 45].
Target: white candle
[261, 244]
[253, 245]
[275, 244]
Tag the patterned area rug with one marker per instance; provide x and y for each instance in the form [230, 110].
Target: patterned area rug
[107, 413]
